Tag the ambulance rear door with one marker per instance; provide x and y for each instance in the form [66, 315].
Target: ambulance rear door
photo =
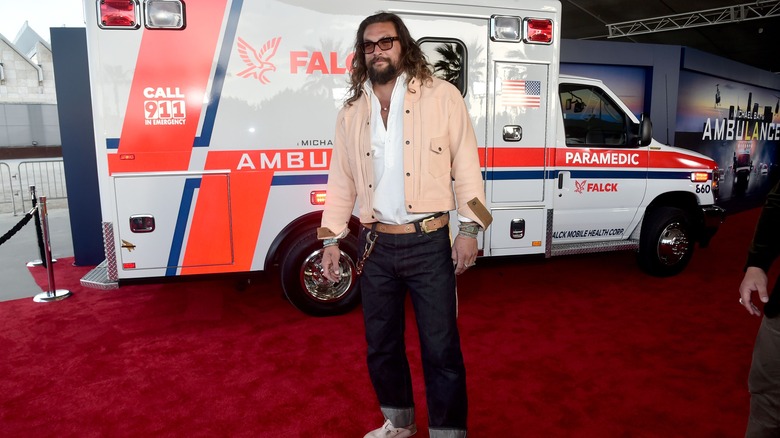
[522, 76]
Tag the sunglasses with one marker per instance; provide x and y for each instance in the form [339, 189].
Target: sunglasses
[384, 44]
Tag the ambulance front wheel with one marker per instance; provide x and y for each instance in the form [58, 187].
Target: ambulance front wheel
[305, 286]
[666, 244]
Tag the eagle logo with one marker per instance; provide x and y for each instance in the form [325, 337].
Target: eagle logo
[580, 186]
[258, 63]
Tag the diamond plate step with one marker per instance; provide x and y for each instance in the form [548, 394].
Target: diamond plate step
[98, 278]
[584, 248]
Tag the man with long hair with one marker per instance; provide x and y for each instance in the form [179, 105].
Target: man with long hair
[406, 153]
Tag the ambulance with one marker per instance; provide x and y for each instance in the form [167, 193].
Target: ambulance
[214, 124]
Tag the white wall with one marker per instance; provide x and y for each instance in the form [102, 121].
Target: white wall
[28, 111]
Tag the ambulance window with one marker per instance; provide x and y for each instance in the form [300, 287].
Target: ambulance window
[590, 117]
[447, 59]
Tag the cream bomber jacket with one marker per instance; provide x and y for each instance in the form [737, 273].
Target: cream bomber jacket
[440, 154]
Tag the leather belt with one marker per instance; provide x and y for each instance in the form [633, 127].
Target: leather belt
[427, 225]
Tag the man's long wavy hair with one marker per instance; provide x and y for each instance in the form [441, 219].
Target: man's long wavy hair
[413, 61]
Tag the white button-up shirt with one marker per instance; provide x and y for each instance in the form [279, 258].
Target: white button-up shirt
[387, 150]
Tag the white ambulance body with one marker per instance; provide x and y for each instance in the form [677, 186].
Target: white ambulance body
[214, 124]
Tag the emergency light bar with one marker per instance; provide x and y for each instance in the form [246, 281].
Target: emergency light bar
[534, 31]
[125, 14]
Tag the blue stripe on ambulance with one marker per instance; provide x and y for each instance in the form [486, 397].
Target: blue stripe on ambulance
[295, 180]
[190, 185]
[499, 175]
[204, 140]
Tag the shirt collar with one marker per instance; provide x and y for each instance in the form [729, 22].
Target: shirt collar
[400, 81]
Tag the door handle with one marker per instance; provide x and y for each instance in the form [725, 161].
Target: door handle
[560, 180]
[513, 133]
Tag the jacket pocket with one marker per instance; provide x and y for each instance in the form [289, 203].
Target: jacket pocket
[439, 156]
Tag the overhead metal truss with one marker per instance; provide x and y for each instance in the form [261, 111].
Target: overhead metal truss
[709, 17]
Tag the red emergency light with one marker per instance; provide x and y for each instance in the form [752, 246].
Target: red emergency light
[317, 197]
[119, 14]
[538, 30]
[128, 265]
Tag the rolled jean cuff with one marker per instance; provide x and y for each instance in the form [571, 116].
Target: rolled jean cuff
[399, 417]
[446, 433]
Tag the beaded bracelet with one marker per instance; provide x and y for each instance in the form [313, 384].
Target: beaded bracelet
[468, 229]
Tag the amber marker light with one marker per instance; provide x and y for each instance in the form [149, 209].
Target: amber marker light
[317, 197]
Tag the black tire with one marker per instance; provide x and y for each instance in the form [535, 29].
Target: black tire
[666, 245]
[306, 288]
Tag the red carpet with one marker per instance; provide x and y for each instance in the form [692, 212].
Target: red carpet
[568, 347]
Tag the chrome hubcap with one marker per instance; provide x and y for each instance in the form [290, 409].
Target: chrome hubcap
[673, 244]
[319, 287]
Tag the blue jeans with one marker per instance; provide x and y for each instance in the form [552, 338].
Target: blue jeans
[422, 264]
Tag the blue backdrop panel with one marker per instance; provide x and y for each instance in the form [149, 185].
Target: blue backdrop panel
[74, 107]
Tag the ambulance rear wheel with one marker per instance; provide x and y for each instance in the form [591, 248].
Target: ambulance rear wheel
[305, 286]
[666, 245]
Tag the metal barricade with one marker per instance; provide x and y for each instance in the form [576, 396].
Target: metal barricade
[6, 188]
[47, 175]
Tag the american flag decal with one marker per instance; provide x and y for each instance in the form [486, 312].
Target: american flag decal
[521, 93]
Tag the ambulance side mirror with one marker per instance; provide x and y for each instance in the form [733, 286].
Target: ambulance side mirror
[645, 130]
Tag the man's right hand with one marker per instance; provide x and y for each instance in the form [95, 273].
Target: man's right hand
[330, 263]
[755, 280]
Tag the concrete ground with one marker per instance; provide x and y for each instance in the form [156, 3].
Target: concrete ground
[15, 279]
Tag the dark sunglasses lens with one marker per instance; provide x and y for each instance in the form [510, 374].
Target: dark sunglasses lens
[368, 47]
[385, 43]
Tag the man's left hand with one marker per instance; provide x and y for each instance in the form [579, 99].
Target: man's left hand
[464, 253]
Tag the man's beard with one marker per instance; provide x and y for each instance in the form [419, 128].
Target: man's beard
[384, 76]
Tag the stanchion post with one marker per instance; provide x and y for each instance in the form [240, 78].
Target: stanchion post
[38, 232]
[53, 294]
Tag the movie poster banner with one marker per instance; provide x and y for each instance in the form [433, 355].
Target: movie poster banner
[735, 124]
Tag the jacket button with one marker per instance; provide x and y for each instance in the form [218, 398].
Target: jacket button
[408, 174]
[410, 206]
[368, 154]
[370, 186]
[407, 141]
[407, 111]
